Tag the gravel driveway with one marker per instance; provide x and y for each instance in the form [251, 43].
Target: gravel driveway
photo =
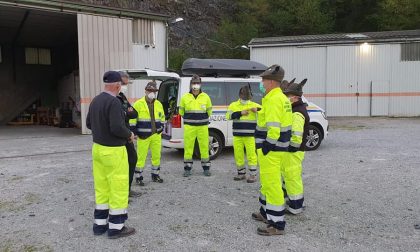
[362, 193]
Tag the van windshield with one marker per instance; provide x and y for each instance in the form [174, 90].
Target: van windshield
[168, 93]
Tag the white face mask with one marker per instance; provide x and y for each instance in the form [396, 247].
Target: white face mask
[243, 102]
[196, 86]
[151, 95]
[124, 89]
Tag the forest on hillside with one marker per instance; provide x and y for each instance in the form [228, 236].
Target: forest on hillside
[218, 28]
[270, 18]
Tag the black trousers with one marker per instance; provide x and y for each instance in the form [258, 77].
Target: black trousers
[132, 161]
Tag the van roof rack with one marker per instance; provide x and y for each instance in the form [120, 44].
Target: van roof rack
[222, 67]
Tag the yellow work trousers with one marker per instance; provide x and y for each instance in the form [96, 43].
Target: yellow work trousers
[110, 176]
[271, 193]
[240, 144]
[154, 143]
[201, 133]
[292, 175]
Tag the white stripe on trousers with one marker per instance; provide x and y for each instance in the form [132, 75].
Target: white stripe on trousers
[116, 226]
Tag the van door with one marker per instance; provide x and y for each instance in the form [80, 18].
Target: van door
[168, 96]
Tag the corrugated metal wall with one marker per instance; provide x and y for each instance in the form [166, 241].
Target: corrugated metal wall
[149, 56]
[104, 43]
[352, 80]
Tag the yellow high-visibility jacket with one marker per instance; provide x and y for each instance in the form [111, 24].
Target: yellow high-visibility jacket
[143, 122]
[196, 111]
[274, 122]
[243, 125]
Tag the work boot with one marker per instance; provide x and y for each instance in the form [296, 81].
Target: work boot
[258, 217]
[139, 181]
[134, 194]
[187, 173]
[100, 229]
[125, 231]
[157, 178]
[251, 179]
[207, 173]
[269, 230]
[239, 177]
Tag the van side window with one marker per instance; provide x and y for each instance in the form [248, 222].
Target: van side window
[168, 93]
[234, 87]
[216, 91]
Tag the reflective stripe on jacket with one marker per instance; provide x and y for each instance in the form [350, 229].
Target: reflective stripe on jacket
[195, 110]
[274, 121]
[245, 124]
[143, 122]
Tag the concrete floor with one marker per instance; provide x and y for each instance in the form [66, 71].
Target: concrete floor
[362, 193]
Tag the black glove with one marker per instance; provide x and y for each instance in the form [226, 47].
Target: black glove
[267, 147]
[236, 115]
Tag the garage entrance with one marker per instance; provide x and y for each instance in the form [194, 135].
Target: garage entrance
[38, 67]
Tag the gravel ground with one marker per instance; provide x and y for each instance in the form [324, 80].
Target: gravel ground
[362, 193]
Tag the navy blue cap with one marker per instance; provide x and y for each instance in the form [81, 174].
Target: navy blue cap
[111, 77]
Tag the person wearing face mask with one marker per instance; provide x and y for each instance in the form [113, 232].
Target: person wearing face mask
[292, 173]
[149, 127]
[196, 108]
[109, 159]
[272, 134]
[243, 112]
[130, 113]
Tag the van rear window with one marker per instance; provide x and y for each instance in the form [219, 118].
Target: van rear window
[216, 91]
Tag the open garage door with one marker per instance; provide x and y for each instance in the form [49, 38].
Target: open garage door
[39, 66]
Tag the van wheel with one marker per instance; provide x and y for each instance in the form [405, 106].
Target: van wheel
[215, 146]
[314, 138]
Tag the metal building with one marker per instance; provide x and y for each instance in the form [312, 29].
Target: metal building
[55, 52]
[358, 74]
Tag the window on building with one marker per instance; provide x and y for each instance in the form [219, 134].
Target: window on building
[143, 32]
[410, 52]
[37, 56]
[233, 91]
[216, 91]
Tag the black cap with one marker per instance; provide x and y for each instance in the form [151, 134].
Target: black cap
[111, 77]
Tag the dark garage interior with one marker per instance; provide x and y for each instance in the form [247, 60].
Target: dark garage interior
[38, 68]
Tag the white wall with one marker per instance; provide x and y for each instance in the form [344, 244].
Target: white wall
[151, 57]
[340, 78]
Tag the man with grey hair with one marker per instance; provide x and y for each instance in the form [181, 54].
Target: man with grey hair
[109, 158]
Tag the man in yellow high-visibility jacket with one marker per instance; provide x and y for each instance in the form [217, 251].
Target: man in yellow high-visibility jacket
[243, 112]
[272, 137]
[196, 108]
[292, 173]
[149, 127]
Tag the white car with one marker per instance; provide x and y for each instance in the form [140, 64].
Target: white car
[222, 92]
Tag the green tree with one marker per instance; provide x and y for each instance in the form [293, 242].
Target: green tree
[354, 15]
[297, 17]
[398, 15]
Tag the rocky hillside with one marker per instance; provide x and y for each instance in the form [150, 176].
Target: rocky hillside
[201, 18]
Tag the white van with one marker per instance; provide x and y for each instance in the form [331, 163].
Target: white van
[222, 92]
